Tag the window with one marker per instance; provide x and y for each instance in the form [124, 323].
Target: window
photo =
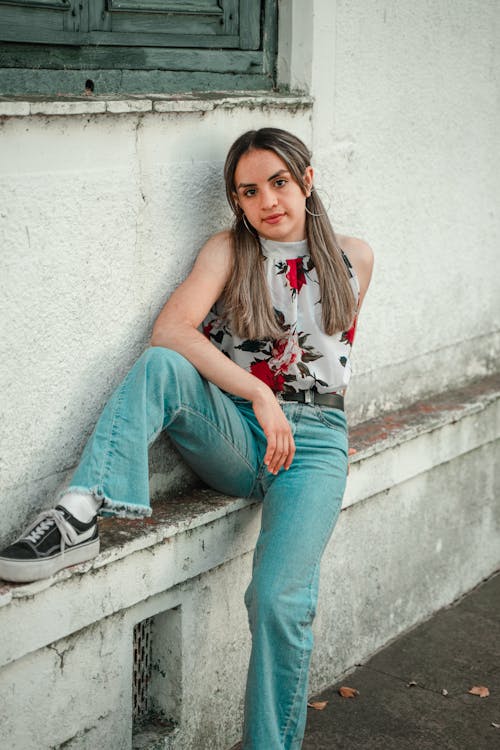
[136, 46]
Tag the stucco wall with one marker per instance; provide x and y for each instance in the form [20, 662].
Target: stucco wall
[405, 129]
[102, 216]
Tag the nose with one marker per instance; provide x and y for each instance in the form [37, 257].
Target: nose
[268, 198]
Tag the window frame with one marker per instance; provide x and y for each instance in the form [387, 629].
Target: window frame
[242, 56]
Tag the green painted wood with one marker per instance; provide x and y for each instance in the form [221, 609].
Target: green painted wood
[231, 16]
[24, 24]
[127, 29]
[203, 7]
[270, 37]
[161, 40]
[99, 18]
[83, 7]
[95, 57]
[18, 28]
[54, 4]
[249, 13]
[15, 81]
[48, 36]
[134, 23]
[89, 37]
[18, 24]
[154, 16]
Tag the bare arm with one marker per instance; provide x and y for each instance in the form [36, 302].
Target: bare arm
[360, 255]
[176, 328]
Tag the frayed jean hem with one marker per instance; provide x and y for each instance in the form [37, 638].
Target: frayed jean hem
[110, 508]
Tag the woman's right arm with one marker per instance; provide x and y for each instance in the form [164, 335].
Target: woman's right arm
[176, 327]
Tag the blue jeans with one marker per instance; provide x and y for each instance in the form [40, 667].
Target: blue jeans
[220, 438]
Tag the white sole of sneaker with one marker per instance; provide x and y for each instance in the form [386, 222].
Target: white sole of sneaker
[26, 571]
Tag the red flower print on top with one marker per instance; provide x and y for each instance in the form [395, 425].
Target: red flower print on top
[295, 274]
[302, 355]
[261, 370]
[348, 336]
[285, 353]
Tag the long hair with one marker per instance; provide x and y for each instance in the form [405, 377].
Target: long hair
[247, 302]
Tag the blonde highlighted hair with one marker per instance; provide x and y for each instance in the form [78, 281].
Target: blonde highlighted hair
[247, 302]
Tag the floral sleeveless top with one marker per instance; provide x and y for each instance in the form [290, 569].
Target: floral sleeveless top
[304, 357]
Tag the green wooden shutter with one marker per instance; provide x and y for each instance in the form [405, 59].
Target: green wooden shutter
[52, 21]
[207, 23]
[199, 44]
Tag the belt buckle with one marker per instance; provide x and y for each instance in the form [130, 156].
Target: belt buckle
[308, 397]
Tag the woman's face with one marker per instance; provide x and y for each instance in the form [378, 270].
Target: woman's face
[272, 201]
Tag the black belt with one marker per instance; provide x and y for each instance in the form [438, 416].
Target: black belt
[313, 397]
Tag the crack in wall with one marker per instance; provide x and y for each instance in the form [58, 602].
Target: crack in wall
[61, 654]
[66, 744]
[143, 197]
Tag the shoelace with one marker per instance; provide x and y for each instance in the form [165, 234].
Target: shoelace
[46, 521]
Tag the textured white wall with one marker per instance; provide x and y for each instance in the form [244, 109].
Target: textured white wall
[405, 132]
[102, 216]
[101, 219]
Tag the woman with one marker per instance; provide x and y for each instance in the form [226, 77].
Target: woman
[254, 402]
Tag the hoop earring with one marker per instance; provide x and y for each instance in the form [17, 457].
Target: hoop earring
[325, 212]
[311, 213]
[246, 225]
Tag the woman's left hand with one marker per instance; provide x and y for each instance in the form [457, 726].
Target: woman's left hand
[280, 443]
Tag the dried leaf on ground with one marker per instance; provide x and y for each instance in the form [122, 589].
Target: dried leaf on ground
[412, 683]
[480, 690]
[444, 691]
[318, 705]
[348, 692]
[494, 724]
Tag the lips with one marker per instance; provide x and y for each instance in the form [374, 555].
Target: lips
[273, 219]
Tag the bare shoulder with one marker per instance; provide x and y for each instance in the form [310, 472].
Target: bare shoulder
[361, 257]
[358, 251]
[217, 250]
[192, 299]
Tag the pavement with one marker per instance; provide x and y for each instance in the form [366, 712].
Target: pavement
[414, 693]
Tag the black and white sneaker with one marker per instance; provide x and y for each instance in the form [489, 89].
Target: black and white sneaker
[55, 540]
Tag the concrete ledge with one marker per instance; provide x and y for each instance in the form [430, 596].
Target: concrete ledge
[181, 541]
[402, 444]
[189, 564]
[210, 529]
[90, 105]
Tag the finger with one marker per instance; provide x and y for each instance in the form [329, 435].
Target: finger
[286, 456]
[351, 451]
[271, 446]
[279, 454]
[291, 454]
[277, 458]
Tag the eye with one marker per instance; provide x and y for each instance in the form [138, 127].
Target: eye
[280, 182]
[250, 192]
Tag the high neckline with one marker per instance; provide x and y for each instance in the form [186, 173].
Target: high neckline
[275, 247]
